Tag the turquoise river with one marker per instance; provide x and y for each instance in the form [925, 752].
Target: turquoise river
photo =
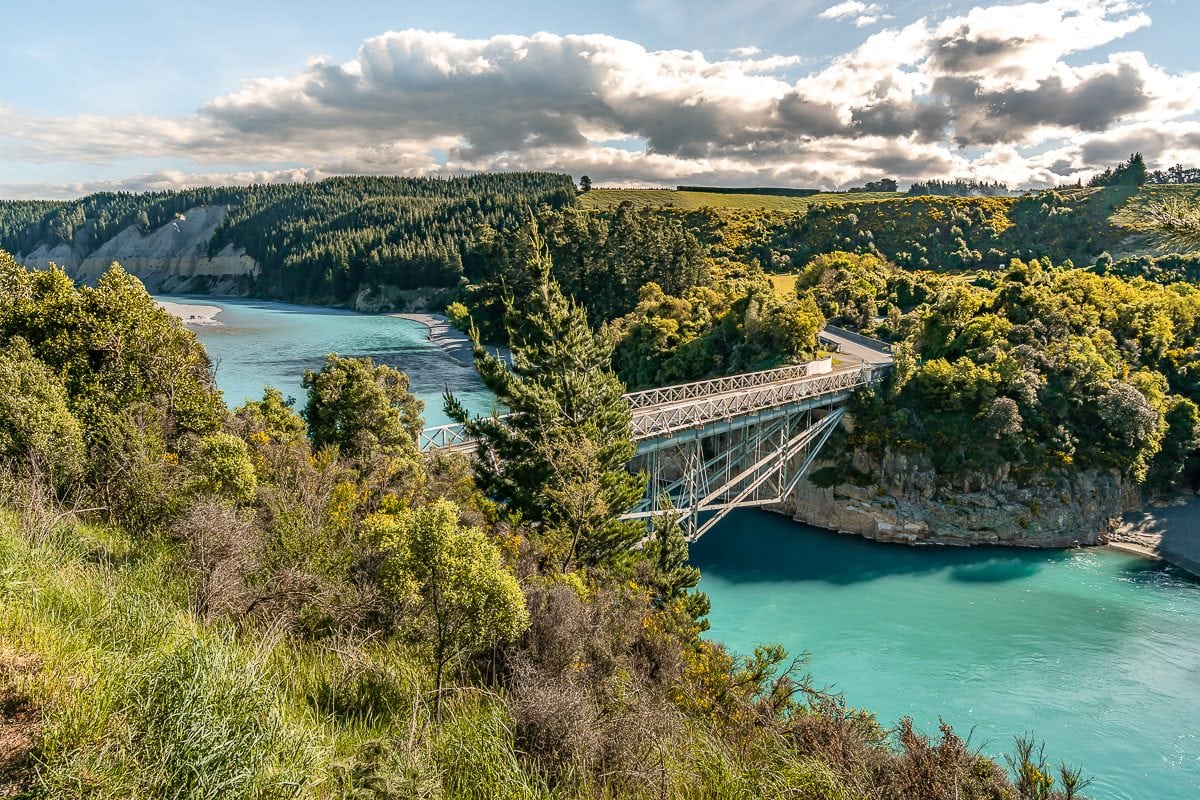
[1094, 651]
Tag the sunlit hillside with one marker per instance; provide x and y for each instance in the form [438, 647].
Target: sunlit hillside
[691, 201]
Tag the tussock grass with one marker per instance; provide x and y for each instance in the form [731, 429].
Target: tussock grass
[140, 700]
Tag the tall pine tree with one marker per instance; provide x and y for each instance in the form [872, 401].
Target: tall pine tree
[558, 458]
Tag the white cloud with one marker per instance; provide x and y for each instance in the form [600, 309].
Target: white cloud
[863, 14]
[849, 10]
[1005, 82]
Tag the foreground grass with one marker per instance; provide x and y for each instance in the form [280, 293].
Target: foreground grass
[137, 697]
[598, 199]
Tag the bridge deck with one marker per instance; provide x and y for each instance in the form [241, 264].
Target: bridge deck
[670, 412]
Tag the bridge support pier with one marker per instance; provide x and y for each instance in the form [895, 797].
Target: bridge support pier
[702, 477]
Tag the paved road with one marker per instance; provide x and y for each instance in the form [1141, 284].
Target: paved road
[851, 345]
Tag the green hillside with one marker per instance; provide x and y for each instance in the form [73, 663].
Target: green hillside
[257, 605]
[316, 242]
[329, 241]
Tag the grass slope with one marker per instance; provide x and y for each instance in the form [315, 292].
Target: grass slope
[121, 690]
[138, 697]
[598, 199]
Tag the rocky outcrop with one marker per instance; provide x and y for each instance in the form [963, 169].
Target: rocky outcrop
[173, 258]
[377, 299]
[899, 498]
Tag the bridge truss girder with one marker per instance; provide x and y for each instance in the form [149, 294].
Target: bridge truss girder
[755, 464]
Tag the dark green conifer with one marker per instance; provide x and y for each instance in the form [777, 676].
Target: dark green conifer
[558, 457]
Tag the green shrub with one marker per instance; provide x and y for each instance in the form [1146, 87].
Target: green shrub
[458, 315]
[37, 429]
[222, 467]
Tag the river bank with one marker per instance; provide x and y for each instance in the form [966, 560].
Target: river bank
[449, 339]
[443, 335]
[1169, 532]
[193, 315]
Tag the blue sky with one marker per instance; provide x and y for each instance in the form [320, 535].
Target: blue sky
[139, 95]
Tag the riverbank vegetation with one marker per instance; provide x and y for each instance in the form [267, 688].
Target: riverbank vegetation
[1028, 373]
[265, 603]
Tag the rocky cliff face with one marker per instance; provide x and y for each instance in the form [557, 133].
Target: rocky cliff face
[173, 258]
[903, 501]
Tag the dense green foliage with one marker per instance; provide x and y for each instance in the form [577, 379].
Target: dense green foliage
[677, 303]
[316, 242]
[1039, 370]
[953, 233]
[737, 325]
[36, 423]
[958, 188]
[1131, 173]
[260, 616]
[1162, 269]
[111, 345]
[464, 595]
[600, 259]
[362, 408]
[1177, 174]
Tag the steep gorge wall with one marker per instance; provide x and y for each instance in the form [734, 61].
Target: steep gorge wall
[173, 258]
[903, 500]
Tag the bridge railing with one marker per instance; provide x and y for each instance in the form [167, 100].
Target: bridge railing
[683, 392]
[443, 436]
[726, 398]
[655, 422]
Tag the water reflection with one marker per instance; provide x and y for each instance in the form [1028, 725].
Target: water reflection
[770, 548]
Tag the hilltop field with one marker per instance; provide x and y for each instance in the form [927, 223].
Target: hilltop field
[1131, 214]
[937, 232]
[602, 199]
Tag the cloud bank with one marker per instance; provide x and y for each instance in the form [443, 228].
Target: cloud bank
[1019, 93]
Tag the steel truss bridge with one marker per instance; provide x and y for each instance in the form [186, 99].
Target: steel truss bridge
[741, 441]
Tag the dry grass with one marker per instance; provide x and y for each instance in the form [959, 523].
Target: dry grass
[20, 722]
[783, 285]
[598, 199]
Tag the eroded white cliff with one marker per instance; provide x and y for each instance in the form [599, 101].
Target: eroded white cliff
[173, 258]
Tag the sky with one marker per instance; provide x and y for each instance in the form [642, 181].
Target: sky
[138, 95]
